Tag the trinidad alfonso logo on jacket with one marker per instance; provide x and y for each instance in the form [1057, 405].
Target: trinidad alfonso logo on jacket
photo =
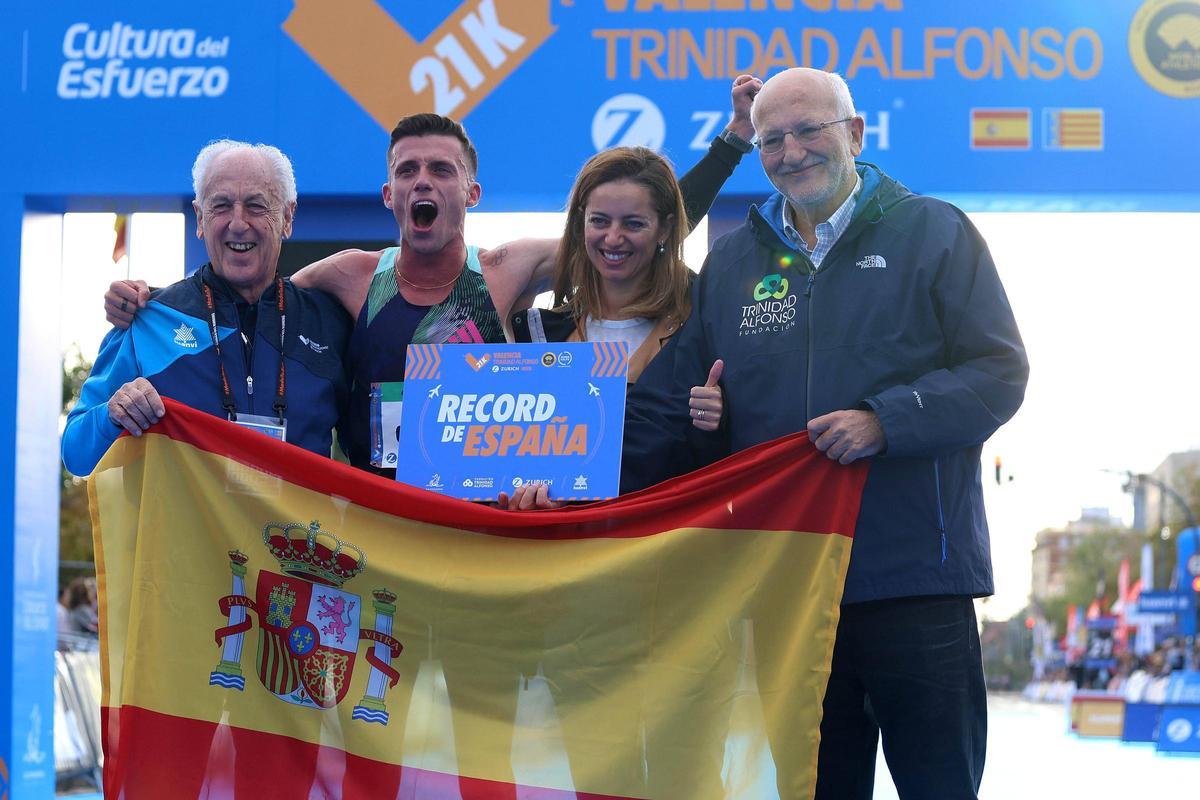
[773, 309]
[309, 627]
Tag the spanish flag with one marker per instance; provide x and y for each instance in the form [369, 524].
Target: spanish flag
[275, 624]
[1000, 128]
[120, 237]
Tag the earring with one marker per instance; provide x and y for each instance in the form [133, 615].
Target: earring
[662, 247]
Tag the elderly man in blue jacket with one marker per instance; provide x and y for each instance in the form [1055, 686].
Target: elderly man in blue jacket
[235, 339]
[874, 318]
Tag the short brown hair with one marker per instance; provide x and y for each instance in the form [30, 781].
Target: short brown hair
[666, 292]
[434, 125]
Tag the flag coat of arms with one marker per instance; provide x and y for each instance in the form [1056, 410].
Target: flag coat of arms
[306, 662]
[276, 624]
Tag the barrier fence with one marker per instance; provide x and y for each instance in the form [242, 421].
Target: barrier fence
[77, 753]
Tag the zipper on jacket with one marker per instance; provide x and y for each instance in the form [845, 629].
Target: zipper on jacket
[937, 490]
[248, 356]
[808, 356]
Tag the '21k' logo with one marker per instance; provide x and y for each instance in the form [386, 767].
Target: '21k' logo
[364, 50]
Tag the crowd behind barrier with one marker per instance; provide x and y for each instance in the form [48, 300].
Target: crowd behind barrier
[1135, 679]
[1152, 700]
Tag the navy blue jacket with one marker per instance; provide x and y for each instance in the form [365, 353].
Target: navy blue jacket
[907, 317]
[169, 344]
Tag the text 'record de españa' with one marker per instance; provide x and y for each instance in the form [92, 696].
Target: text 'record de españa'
[480, 419]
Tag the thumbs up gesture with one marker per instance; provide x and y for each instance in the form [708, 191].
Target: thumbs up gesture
[706, 402]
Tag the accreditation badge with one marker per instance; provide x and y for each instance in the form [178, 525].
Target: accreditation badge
[387, 398]
[267, 425]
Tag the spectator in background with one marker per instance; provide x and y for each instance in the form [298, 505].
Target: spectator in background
[78, 612]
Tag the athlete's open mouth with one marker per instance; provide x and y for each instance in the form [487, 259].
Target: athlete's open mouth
[240, 247]
[423, 212]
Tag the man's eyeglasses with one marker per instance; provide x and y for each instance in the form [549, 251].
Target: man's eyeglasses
[773, 142]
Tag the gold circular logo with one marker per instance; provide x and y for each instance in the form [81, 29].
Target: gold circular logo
[548, 360]
[1164, 43]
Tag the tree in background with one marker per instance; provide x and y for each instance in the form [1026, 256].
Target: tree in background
[74, 519]
[1091, 572]
[1095, 561]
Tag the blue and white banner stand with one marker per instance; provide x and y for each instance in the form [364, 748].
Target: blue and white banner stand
[1187, 555]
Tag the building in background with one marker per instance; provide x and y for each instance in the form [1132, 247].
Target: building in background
[1151, 511]
[1053, 551]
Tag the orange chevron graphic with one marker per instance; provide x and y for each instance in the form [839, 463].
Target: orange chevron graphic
[598, 358]
[412, 361]
[423, 361]
[435, 365]
[610, 359]
[390, 74]
[622, 365]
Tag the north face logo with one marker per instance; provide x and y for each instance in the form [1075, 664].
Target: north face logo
[872, 262]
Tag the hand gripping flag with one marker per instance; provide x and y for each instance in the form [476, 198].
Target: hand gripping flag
[275, 624]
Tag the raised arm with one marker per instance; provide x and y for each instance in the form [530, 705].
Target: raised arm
[345, 275]
[518, 272]
[701, 184]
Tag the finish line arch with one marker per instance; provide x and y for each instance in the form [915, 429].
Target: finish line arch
[1017, 106]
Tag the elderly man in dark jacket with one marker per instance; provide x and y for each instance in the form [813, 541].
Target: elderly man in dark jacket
[874, 318]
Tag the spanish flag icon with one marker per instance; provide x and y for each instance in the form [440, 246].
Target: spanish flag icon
[1000, 128]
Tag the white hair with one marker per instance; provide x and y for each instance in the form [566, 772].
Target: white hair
[841, 93]
[279, 164]
[843, 102]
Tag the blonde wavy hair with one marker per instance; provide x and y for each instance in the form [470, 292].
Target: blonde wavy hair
[577, 286]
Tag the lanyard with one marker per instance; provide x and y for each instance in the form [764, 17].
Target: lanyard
[280, 405]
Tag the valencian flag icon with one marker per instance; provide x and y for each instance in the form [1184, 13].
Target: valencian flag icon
[1073, 128]
[276, 624]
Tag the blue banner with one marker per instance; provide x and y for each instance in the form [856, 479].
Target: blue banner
[1184, 687]
[1181, 602]
[1179, 729]
[481, 419]
[1187, 559]
[1187, 554]
[1071, 104]
[1141, 722]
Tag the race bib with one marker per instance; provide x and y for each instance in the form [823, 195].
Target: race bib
[387, 398]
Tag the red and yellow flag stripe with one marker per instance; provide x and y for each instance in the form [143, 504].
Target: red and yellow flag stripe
[641, 647]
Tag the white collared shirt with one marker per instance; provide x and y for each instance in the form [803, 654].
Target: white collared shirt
[828, 231]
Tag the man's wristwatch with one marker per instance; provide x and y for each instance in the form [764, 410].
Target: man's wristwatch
[735, 141]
